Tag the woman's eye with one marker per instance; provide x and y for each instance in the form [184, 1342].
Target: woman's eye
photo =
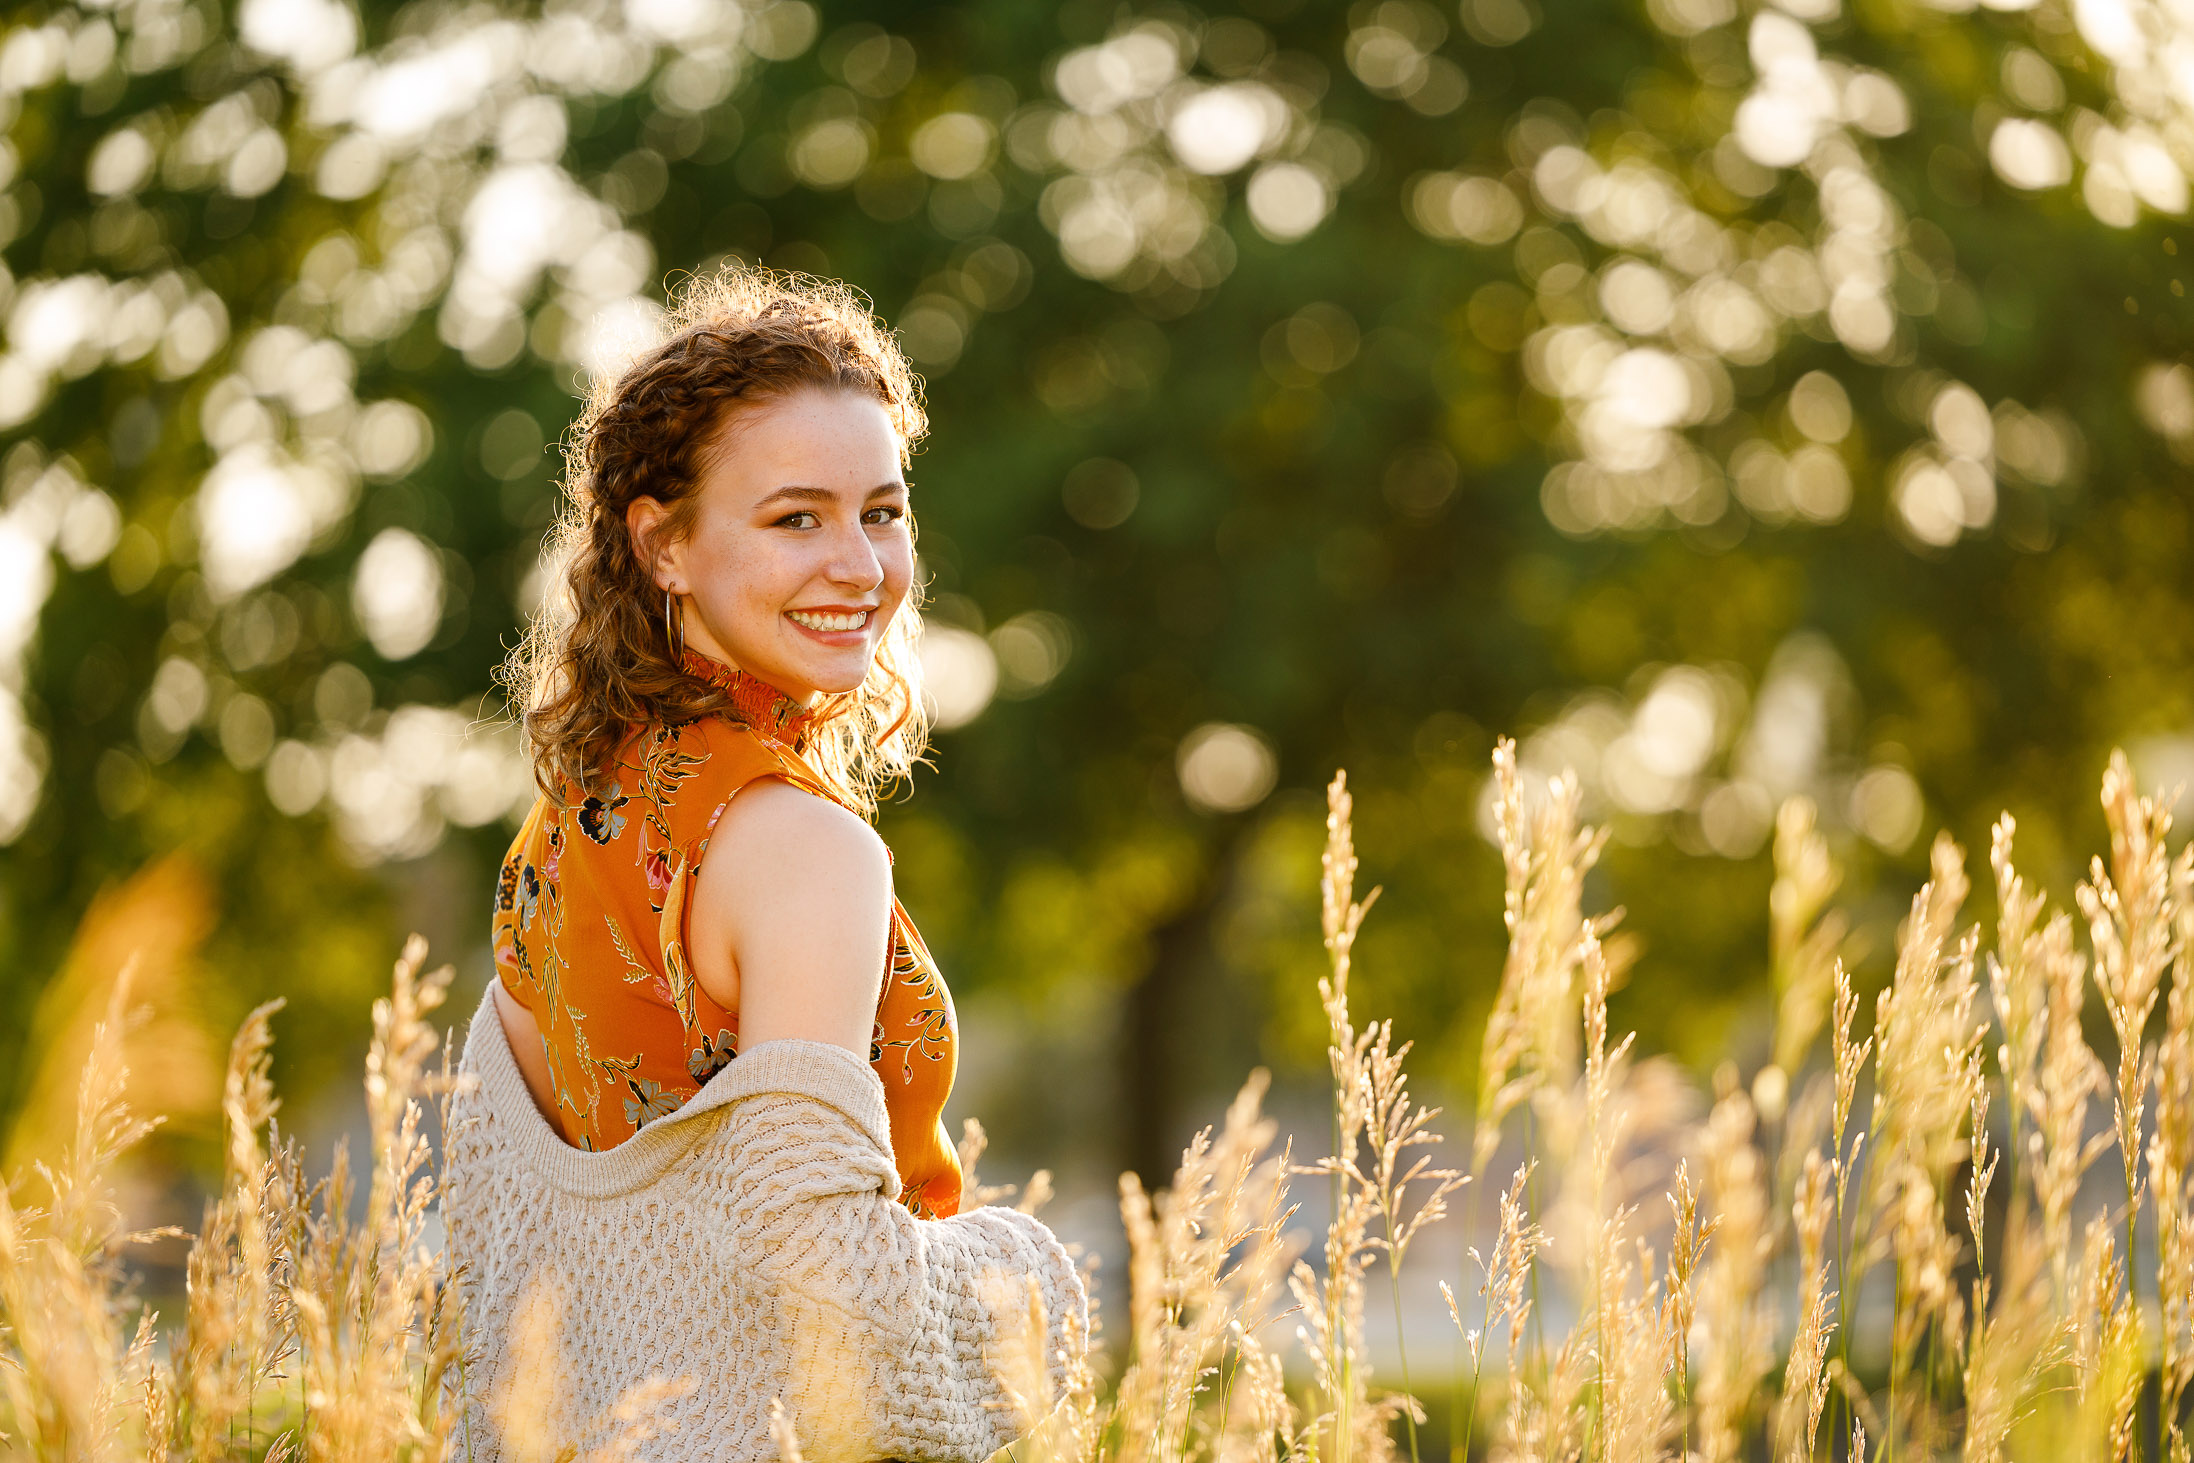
[885, 514]
[792, 520]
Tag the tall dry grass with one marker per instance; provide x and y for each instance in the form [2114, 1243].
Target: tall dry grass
[315, 1326]
[1896, 1240]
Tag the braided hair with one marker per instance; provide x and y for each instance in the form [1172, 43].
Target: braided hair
[596, 663]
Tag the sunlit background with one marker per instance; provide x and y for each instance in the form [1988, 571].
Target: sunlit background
[1732, 401]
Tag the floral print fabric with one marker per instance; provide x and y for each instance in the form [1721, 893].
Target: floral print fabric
[589, 936]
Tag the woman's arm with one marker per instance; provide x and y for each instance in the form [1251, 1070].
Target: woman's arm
[791, 918]
[893, 1336]
[523, 1034]
[894, 1329]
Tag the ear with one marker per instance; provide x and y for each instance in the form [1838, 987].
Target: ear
[645, 520]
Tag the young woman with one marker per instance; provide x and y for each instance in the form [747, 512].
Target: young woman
[701, 1162]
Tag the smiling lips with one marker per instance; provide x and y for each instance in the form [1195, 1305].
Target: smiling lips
[828, 622]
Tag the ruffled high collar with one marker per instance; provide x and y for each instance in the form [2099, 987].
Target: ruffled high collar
[772, 714]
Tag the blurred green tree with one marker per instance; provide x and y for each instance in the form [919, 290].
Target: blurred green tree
[1735, 401]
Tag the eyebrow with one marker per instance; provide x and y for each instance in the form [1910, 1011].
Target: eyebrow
[797, 493]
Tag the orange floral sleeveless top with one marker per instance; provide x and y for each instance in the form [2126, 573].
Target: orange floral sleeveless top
[590, 937]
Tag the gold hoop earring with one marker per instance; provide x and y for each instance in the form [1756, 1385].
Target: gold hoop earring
[674, 626]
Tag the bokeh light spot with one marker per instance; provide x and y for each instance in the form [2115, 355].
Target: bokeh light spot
[959, 675]
[1225, 767]
[397, 593]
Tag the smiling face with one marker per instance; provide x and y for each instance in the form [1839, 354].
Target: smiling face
[799, 553]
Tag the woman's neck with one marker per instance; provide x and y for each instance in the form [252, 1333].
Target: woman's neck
[697, 640]
[759, 703]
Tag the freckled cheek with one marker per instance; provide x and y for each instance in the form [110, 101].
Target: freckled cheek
[748, 575]
[898, 566]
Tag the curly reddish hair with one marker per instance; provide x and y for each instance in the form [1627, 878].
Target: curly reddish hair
[596, 662]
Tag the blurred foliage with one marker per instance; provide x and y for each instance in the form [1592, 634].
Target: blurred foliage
[1734, 402]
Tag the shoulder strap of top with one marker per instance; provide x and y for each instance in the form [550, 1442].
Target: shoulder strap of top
[688, 773]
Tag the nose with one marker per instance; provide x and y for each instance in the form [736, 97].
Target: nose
[853, 563]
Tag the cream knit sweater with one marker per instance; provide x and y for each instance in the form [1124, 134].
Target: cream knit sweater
[748, 1246]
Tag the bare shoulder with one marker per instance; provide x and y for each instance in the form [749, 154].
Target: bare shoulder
[796, 891]
[774, 834]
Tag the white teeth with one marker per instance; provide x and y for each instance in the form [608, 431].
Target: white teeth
[828, 622]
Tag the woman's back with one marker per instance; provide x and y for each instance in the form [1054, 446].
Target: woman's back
[591, 935]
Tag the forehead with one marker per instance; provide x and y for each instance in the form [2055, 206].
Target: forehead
[814, 435]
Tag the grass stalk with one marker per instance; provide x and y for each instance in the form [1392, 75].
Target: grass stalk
[316, 1303]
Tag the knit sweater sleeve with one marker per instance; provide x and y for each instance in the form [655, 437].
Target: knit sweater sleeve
[893, 1330]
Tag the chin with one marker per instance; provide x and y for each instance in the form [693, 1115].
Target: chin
[837, 679]
[839, 685]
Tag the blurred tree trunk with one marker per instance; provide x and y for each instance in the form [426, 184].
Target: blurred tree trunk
[1163, 1054]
